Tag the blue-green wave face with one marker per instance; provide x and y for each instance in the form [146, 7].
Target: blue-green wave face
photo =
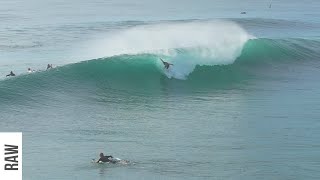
[206, 56]
[193, 69]
[196, 65]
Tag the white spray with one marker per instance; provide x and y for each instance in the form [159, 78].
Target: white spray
[206, 43]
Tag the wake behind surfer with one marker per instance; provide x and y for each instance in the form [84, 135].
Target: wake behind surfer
[166, 64]
[11, 74]
[104, 158]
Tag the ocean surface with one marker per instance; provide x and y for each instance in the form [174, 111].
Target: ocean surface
[241, 101]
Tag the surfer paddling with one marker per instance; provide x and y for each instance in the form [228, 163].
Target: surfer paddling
[166, 64]
[104, 158]
[11, 74]
[30, 70]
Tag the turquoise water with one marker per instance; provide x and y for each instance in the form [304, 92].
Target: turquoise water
[240, 102]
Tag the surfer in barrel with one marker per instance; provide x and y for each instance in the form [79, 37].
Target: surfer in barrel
[166, 64]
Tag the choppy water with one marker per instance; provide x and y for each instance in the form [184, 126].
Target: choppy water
[240, 102]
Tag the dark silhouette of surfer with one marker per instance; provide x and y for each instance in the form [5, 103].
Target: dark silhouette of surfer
[104, 158]
[30, 70]
[49, 66]
[11, 74]
[166, 64]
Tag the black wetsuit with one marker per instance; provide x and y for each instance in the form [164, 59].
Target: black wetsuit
[49, 66]
[11, 74]
[166, 64]
[105, 159]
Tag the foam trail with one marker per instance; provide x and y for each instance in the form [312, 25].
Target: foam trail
[208, 43]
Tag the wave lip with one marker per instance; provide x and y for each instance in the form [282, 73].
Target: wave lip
[209, 43]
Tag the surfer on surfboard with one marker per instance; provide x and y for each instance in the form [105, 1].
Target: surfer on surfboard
[30, 70]
[109, 159]
[104, 158]
[166, 64]
[49, 66]
[11, 74]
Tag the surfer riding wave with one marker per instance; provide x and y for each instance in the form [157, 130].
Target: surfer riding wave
[166, 64]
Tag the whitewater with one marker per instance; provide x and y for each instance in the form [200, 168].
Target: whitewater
[207, 43]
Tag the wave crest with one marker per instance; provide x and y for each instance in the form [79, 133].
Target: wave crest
[209, 43]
